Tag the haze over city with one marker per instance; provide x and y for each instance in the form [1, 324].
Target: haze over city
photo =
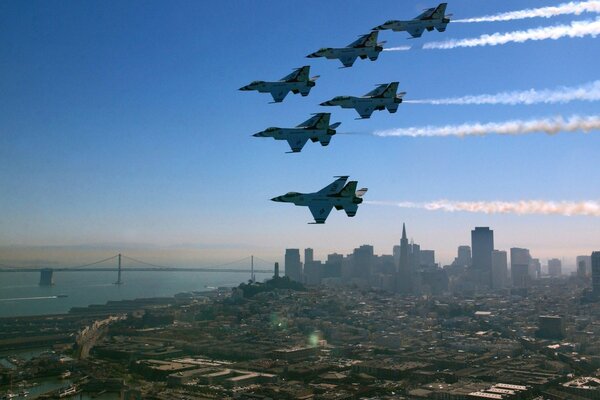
[121, 128]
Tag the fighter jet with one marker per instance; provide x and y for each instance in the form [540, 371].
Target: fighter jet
[429, 19]
[365, 46]
[320, 203]
[382, 97]
[296, 82]
[316, 128]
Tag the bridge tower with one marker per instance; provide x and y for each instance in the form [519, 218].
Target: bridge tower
[252, 269]
[46, 278]
[119, 281]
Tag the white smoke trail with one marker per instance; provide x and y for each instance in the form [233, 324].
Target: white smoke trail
[577, 29]
[573, 8]
[523, 207]
[549, 126]
[586, 92]
[399, 48]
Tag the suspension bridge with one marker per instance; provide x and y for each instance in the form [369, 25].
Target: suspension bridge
[121, 263]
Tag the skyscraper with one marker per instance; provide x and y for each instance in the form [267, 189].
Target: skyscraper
[427, 258]
[596, 272]
[499, 269]
[585, 262]
[520, 259]
[464, 256]
[362, 263]
[293, 266]
[404, 271]
[482, 243]
[554, 267]
[308, 256]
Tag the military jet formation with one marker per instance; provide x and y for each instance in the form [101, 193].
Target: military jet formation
[432, 18]
[321, 203]
[317, 129]
[296, 82]
[382, 97]
[338, 194]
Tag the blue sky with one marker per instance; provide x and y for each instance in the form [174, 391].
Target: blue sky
[121, 123]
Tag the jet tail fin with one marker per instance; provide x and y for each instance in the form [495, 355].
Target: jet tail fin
[440, 11]
[391, 90]
[349, 190]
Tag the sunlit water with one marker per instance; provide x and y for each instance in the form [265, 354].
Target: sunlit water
[20, 293]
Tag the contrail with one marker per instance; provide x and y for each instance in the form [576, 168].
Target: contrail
[577, 29]
[399, 48]
[549, 126]
[573, 8]
[523, 207]
[587, 92]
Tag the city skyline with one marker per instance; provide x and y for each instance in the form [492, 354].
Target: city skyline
[124, 128]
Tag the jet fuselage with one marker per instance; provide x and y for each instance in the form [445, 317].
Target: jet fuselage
[268, 87]
[307, 199]
[430, 24]
[338, 53]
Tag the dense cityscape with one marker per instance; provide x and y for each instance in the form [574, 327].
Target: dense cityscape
[359, 326]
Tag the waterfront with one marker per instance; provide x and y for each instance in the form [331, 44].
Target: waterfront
[20, 293]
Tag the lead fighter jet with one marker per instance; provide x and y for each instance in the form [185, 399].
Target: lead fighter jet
[320, 203]
[296, 82]
[430, 19]
[316, 128]
[382, 97]
[365, 46]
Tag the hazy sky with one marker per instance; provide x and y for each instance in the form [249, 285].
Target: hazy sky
[121, 124]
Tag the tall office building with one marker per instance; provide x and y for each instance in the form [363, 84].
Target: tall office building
[520, 259]
[293, 266]
[554, 267]
[482, 244]
[464, 256]
[404, 283]
[596, 272]
[396, 254]
[414, 257]
[499, 269]
[427, 258]
[362, 262]
[585, 262]
[308, 256]
[535, 268]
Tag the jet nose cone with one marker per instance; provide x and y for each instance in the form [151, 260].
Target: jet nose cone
[312, 55]
[259, 134]
[247, 87]
[277, 199]
[326, 103]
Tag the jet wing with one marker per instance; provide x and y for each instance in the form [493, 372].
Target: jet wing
[416, 32]
[320, 211]
[299, 75]
[335, 187]
[348, 61]
[297, 143]
[279, 94]
[364, 110]
[318, 121]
